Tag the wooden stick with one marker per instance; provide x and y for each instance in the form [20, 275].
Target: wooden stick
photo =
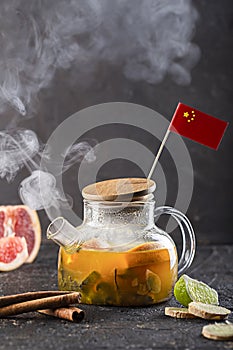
[158, 153]
[19, 298]
[70, 313]
[52, 302]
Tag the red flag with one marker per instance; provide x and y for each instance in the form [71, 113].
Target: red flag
[198, 126]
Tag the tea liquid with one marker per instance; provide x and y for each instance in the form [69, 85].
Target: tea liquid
[127, 278]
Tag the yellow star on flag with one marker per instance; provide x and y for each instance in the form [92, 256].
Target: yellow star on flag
[186, 114]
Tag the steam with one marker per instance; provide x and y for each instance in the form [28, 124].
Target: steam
[76, 153]
[39, 191]
[146, 39]
[149, 39]
[18, 148]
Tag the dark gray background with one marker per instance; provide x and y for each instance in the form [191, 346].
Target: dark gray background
[210, 91]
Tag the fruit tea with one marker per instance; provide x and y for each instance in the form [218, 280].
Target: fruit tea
[142, 275]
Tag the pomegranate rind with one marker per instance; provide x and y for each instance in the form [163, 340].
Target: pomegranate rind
[21, 257]
[9, 210]
[37, 230]
[2, 220]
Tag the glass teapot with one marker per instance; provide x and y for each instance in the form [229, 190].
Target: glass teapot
[118, 256]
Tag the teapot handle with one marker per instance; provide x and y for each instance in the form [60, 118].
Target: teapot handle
[188, 236]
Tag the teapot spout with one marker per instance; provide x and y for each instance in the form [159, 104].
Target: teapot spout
[64, 234]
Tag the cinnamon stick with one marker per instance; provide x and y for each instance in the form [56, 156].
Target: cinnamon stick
[19, 298]
[70, 313]
[51, 302]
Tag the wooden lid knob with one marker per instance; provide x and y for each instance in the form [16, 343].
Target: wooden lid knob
[119, 189]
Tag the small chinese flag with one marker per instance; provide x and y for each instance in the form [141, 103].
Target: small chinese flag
[198, 126]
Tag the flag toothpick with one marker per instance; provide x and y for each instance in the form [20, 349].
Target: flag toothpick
[158, 153]
[195, 125]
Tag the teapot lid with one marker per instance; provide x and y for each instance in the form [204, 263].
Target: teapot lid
[122, 189]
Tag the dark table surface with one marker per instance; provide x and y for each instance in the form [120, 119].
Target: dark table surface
[113, 327]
